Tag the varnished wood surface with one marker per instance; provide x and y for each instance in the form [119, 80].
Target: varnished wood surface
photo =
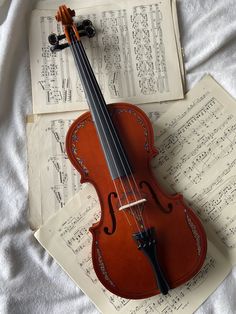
[181, 241]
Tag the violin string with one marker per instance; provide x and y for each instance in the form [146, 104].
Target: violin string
[122, 186]
[117, 138]
[136, 213]
[138, 206]
[117, 190]
[75, 42]
[74, 52]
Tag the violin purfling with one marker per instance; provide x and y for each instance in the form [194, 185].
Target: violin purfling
[146, 242]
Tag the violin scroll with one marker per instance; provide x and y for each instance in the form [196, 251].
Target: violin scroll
[64, 15]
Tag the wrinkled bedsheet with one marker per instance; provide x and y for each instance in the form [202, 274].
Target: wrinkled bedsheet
[30, 280]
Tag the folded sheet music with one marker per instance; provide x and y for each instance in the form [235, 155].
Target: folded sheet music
[135, 56]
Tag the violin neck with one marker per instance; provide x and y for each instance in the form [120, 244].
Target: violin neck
[114, 153]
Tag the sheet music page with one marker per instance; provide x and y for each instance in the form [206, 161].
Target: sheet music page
[66, 237]
[53, 5]
[196, 143]
[52, 179]
[134, 56]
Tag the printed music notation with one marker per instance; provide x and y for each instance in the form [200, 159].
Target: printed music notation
[210, 146]
[68, 229]
[129, 55]
[196, 147]
[58, 180]
[66, 180]
[149, 49]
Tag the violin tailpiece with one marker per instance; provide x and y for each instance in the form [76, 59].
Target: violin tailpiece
[147, 243]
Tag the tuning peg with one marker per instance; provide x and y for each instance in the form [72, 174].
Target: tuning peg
[54, 38]
[88, 27]
[90, 31]
[86, 23]
[58, 47]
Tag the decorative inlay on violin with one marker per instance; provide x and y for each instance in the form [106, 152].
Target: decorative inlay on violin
[146, 241]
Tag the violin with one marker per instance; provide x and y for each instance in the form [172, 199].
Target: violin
[146, 242]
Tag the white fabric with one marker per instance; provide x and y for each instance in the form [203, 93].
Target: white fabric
[30, 281]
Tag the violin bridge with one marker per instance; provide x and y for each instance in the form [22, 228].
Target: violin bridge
[143, 200]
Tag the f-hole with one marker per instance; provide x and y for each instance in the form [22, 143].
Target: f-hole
[113, 218]
[169, 205]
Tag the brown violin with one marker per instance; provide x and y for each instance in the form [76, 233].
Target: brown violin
[146, 241]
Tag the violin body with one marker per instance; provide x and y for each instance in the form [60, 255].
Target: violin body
[120, 262]
[146, 241]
